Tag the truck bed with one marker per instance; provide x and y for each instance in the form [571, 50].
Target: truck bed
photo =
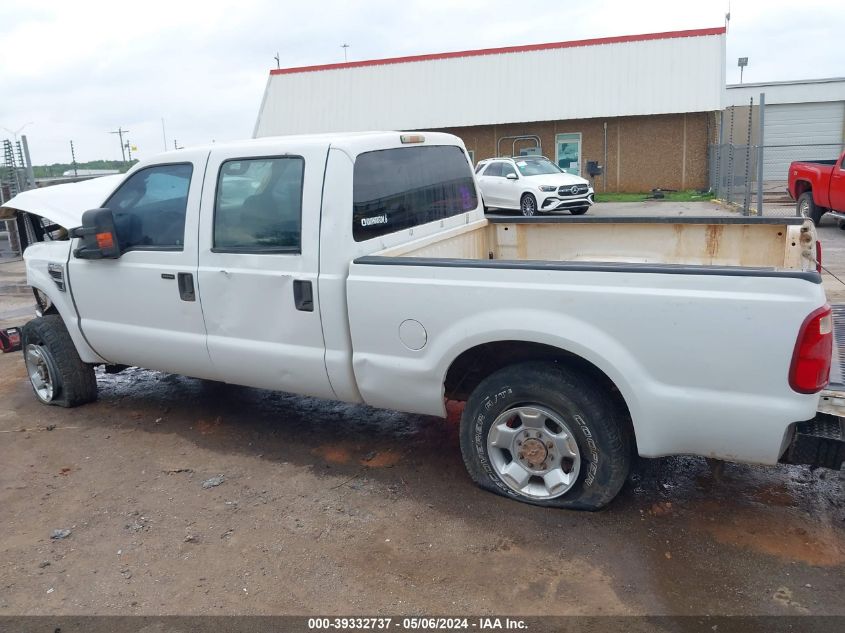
[771, 243]
[652, 303]
[831, 161]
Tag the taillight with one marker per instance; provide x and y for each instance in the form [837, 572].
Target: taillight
[810, 369]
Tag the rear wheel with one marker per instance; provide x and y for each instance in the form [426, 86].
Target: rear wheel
[57, 374]
[579, 211]
[528, 205]
[541, 434]
[807, 208]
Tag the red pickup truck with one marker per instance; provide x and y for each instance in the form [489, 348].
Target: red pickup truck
[818, 187]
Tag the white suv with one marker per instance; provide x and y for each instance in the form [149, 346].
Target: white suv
[532, 184]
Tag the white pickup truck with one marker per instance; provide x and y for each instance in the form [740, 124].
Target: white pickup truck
[361, 267]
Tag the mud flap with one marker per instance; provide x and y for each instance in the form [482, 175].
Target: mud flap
[819, 442]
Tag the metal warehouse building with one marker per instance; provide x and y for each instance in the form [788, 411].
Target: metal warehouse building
[643, 106]
[802, 120]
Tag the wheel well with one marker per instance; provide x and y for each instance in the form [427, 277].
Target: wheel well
[42, 300]
[477, 363]
[802, 187]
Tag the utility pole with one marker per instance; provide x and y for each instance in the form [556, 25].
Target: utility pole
[73, 160]
[120, 132]
[129, 149]
[30, 173]
[345, 47]
[163, 134]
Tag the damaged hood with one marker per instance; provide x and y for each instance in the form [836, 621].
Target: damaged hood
[63, 204]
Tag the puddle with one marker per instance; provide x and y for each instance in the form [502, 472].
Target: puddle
[333, 454]
[382, 459]
[774, 495]
[204, 427]
[344, 454]
[788, 537]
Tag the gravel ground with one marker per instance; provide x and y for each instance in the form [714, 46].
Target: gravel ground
[315, 507]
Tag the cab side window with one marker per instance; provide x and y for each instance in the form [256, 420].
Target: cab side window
[258, 207]
[507, 168]
[149, 208]
[493, 169]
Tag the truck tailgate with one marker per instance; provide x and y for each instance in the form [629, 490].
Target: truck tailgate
[833, 398]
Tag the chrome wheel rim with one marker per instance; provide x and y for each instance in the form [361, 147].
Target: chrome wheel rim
[528, 205]
[40, 372]
[805, 208]
[534, 452]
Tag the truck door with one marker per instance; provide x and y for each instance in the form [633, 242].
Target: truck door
[141, 309]
[490, 181]
[258, 268]
[837, 186]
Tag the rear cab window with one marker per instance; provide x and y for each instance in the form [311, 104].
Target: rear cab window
[400, 188]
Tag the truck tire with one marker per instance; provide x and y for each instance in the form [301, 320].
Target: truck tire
[538, 433]
[528, 205]
[57, 374]
[807, 208]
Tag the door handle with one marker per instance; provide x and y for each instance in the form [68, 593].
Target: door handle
[303, 295]
[186, 286]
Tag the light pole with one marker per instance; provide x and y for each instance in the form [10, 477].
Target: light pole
[18, 131]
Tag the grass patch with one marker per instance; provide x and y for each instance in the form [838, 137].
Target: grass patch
[690, 195]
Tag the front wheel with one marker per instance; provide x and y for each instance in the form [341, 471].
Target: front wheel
[57, 374]
[528, 205]
[541, 434]
[807, 207]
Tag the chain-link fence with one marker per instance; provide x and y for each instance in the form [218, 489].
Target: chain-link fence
[753, 178]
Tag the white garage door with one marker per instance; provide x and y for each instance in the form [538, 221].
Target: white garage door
[801, 131]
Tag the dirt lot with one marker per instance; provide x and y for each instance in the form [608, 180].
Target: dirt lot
[327, 508]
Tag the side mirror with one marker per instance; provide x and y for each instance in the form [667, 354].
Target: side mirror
[98, 236]
[511, 176]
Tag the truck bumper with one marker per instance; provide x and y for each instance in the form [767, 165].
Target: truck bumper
[819, 442]
[555, 203]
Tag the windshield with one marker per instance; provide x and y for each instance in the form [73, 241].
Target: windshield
[537, 167]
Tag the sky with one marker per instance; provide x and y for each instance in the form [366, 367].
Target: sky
[77, 71]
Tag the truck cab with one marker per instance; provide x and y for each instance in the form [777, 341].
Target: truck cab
[818, 187]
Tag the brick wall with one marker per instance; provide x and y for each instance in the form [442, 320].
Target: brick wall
[667, 151]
